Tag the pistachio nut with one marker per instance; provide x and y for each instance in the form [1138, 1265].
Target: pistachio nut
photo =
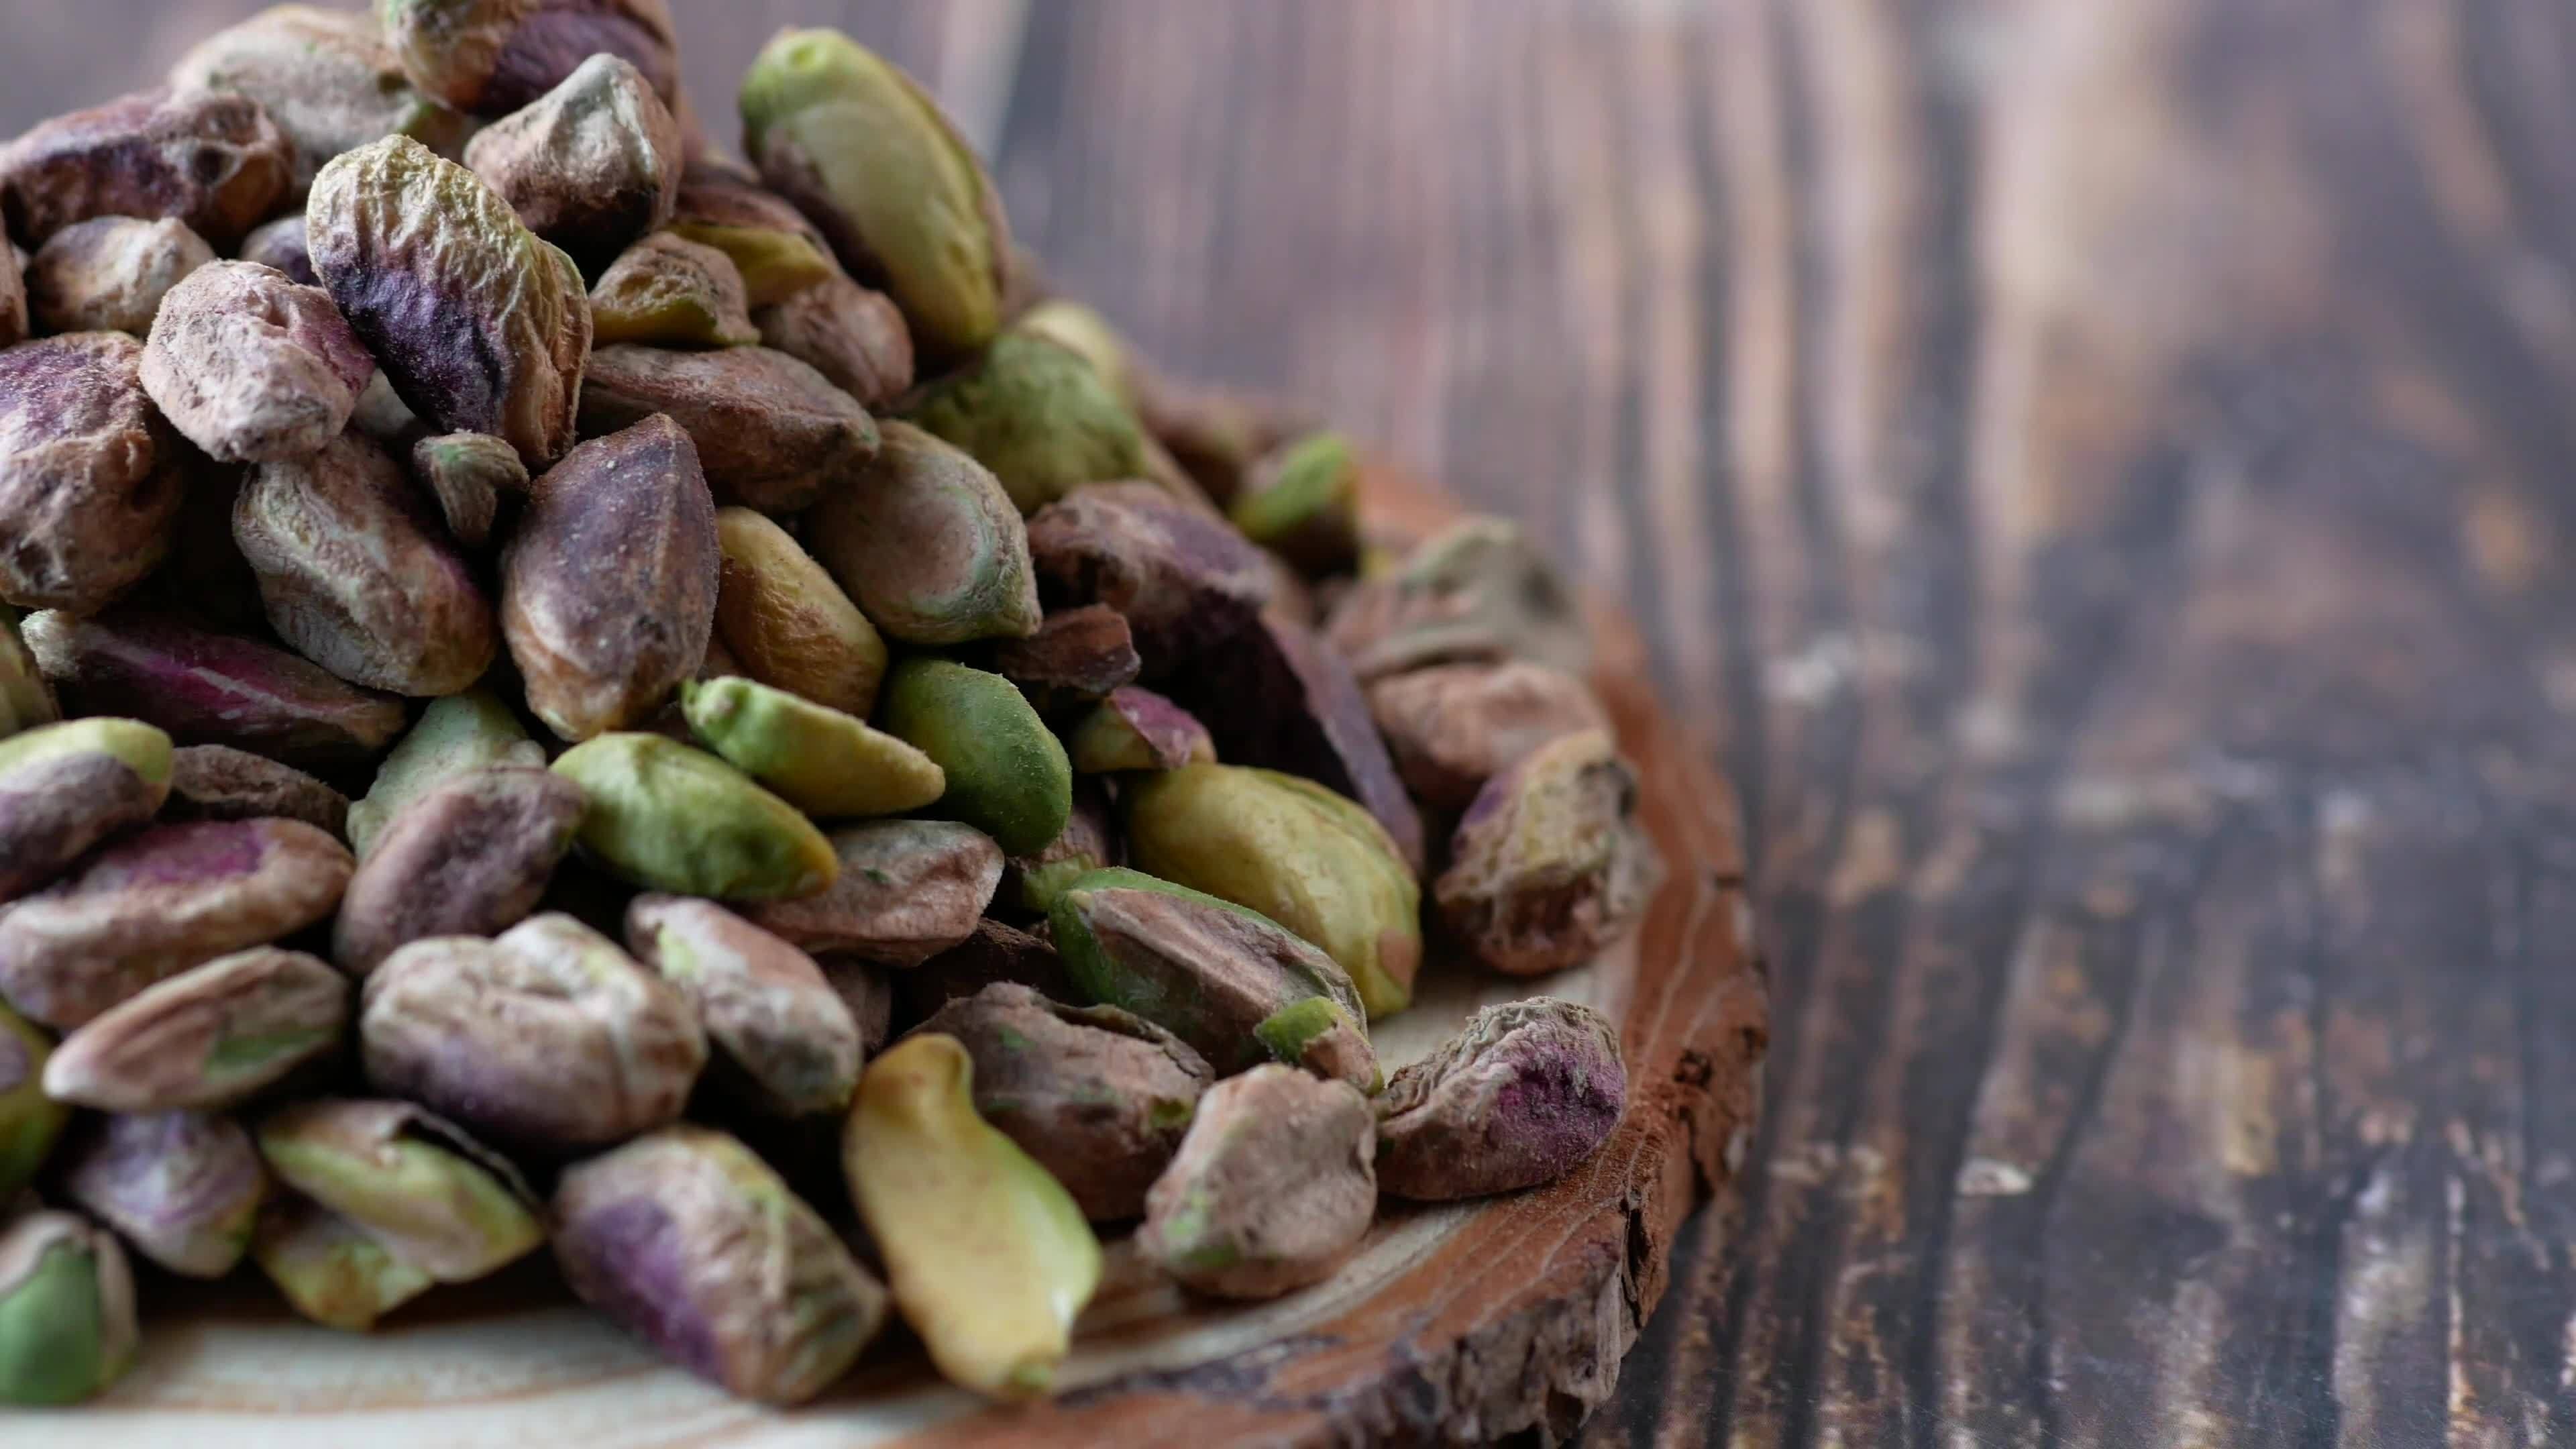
[1215, 434]
[66, 1310]
[1137, 729]
[772, 433]
[1096, 1096]
[31, 1120]
[218, 782]
[788, 623]
[1076, 657]
[928, 544]
[326, 78]
[670, 818]
[1089, 842]
[990, 1258]
[211, 160]
[778, 251]
[66, 787]
[480, 325]
[867, 990]
[994, 951]
[26, 700]
[469, 474]
[608, 586]
[1209, 971]
[548, 1038]
[1302, 502]
[469, 856]
[13, 296]
[688, 1240]
[206, 688]
[1187, 583]
[91, 475]
[823, 762]
[1081, 330]
[110, 274]
[1037, 416]
[434, 1197]
[1550, 864]
[784, 1040]
[1325, 1037]
[1477, 591]
[207, 1039]
[1452, 727]
[1522, 1095]
[591, 165]
[491, 57]
[251, 365]
[155, 904]
[1305, 857]
[329, 1268]
[672, 292]
[848, 333]
[1272, 1189]
[381, 413]
[1007, 775]
[280, 244]
[459, 733]
[907, 890]
[864, 152]
[183, 1187]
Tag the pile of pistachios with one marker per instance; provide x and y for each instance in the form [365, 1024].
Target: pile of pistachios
[562, 691]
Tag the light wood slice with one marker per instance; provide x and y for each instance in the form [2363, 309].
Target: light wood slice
[1457, 1323]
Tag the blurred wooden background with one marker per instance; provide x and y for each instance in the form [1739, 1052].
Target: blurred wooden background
[2099, 469]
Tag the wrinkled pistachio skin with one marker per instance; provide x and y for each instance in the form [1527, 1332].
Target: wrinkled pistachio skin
[91, 475]
[218, 782]
[548, 1039]
[459, 733]
[481, 326]
[151, 906]
[688, 1240]
[1272, 1189]
[13, 297]
[1293, 851]
[211, 689]
[994, 951]
[1038, 417]
[791, 1044]
[435, 1198]
[31, 1120]
[1524, 1094]
[1007, 775]
[207, 1039]
[846, 332]
[608, 586]
[591, 165]
[1452, 727]
[1076, 657]
[907, 890]
[211, 160]
[825, 763]
[772, 433]
[110, 274]
[470, 856]
[329, 1269]
[1137, 729]
[929, 545]
[67, 1326]
[668, 291]
[1549, 864]
[990, 1258]
[879, 168]
[468, 474]
[491, 57]
[1187, 584]
[326, 79]
[1479, 591]
[1097, 1097]
[183, 1187]
[778, 251]
[251, 365]
[357, 573]
[66, 787]
[670, 818]
[788, 623]
[1090, 842]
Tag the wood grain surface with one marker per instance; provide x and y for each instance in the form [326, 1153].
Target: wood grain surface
[2100, 472]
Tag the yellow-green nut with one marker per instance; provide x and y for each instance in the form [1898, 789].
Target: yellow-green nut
[1296, 852]
[825, 763]
[1082, 330]
[1321, 1035]
[786, 620]
[66, 787]
[30, 1122]
[1302, 503]
[857, 145]
[1037, 415]
[26, 700]
[929, 544]
[66, 1310]
[1007, 773]
[329, 1268]
[672, 292]
[675, 819]
[989, 1256]
[777, 251]
[462, 732]
[416, 1183]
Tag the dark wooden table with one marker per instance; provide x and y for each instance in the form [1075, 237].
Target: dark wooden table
[2100, 470]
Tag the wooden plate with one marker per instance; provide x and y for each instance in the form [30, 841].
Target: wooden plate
[1461, 1322]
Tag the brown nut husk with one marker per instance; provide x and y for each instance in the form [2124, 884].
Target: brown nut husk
[1215, 434]
[1452, 727]
[218, 782]
[1549, 864]
[867, 990]
[469, 474]
[668, 291]
[928, 544]
[608, 587]
[327, 81]
[1272, 1189]
[470, 856]
[481, 326]
[357, 573]
[208, 688]
[1076, 657]
[13, 296]
[110, 273]
[788, 624]
[154, 905]
[691, 1242]
[772, 433]
[437, 1199]
[1187, 583]
[1477, 591]
[848, 333]
[459, 733]
[1137, 729]
[91, 474]
[490, 57]
[213, 161]
[252, 367]
[547, 1039]
[331, 1270]
[1100, 1098]
[26, 700]
[66, 787]
[206, 1040]
[591, 165]
[1089, 842]
[183, 1187]
[995, 951]
[778, 251]
[908, 890]
[785, 1041]
[1523, 1095]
